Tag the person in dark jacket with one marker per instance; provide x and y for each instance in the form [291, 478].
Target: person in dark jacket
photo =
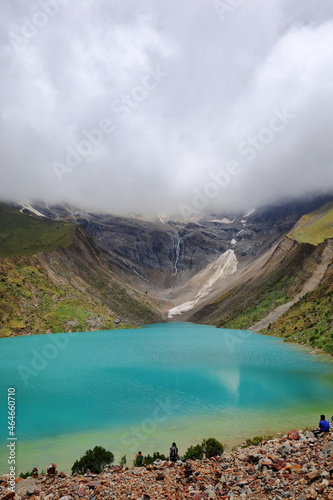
[173, 453]
[139, 459]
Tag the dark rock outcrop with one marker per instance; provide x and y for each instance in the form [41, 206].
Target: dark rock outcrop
[168, 252]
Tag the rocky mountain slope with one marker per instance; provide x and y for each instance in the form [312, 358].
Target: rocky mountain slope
[180, 263]
[310, 317]
[167, 252]
[53, 278]
[287, 291]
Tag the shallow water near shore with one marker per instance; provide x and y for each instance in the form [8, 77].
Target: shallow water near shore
[130, 390]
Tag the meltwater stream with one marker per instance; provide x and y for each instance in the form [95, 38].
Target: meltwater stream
[142, 389]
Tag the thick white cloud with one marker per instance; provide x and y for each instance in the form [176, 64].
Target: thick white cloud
[171, 106]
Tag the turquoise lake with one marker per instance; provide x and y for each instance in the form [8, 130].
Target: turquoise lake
[130, 390]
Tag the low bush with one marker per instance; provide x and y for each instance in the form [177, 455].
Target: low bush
[194, 453]
[94, 460]
[212, 447]
[209, 447]
[256, 441]
[149, 460]
[24, 475]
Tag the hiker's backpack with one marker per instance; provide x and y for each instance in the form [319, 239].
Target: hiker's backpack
[173, 452]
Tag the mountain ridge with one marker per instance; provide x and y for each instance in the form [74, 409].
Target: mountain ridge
[68, 288]
[142, 271]
[279, 286]
[315, 227]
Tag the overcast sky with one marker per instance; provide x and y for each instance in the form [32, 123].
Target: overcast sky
[177, 106]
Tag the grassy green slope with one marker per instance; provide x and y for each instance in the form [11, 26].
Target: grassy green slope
[21, 234]
[276, 284]
[32, 302]
[53, 279]
[273, 293]
[311, 319]
[314, 228]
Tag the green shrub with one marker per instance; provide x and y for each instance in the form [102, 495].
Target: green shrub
[194, 453]
[24, 475]
[212, 447]
[149, 460]
[209, 447]
[94, 460]
[256, 441]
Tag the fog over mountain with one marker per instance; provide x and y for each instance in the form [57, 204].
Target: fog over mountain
[173, 107]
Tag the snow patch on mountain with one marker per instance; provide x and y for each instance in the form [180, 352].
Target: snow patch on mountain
[27, 206]
[223, 266]
[250, 212]
[223, 221]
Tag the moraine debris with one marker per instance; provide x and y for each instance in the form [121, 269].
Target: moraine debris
[297, 467]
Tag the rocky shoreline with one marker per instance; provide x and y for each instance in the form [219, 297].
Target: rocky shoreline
[297, 466]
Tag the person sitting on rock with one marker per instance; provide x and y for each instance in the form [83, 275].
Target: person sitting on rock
[139, 459]
[173, 453]
[323, 426]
